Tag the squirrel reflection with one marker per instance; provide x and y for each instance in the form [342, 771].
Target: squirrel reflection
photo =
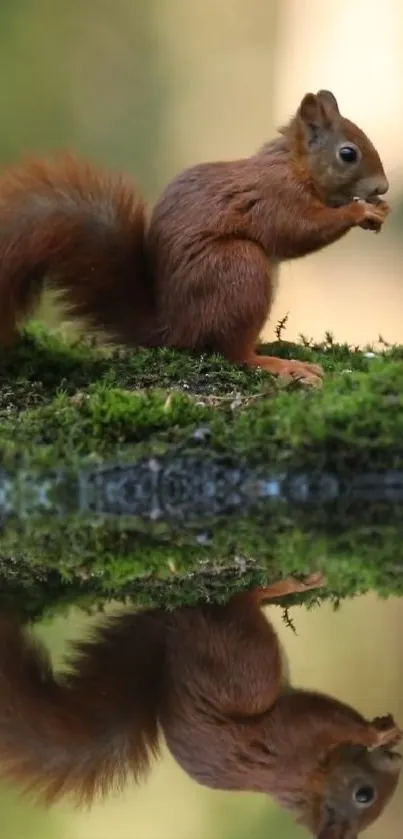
[211, 679]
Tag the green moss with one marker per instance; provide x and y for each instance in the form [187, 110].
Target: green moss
[76, 406]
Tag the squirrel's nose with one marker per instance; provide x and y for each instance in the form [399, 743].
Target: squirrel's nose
[381, 186]
[371, 187]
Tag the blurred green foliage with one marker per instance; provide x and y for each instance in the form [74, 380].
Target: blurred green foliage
[73, 76]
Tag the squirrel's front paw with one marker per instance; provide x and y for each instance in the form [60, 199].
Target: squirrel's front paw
[385, 732]
[371, 216]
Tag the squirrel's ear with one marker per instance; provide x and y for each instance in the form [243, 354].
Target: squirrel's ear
[318, 113]
[329, 104]
[309, 109]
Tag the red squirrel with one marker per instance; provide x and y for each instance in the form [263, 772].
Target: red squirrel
[212, 679]
[200, 274]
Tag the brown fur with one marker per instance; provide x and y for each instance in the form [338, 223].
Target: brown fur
[86, 730]
[211, 677]
[202, 275]
[84, 231]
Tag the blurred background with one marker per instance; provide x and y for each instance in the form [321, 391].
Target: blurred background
[151, 86]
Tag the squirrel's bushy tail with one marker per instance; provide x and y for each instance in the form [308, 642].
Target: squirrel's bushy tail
[86, 731]
[82, 230]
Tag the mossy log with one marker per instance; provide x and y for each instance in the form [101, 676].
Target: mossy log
[219, 438]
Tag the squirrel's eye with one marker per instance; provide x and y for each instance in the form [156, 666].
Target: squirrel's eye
[348, 154]
[364, 795]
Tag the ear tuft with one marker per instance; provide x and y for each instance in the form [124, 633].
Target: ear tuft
[329, 101]
[309, 109]
[312, 117]
[319, 114]
[330, 108]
